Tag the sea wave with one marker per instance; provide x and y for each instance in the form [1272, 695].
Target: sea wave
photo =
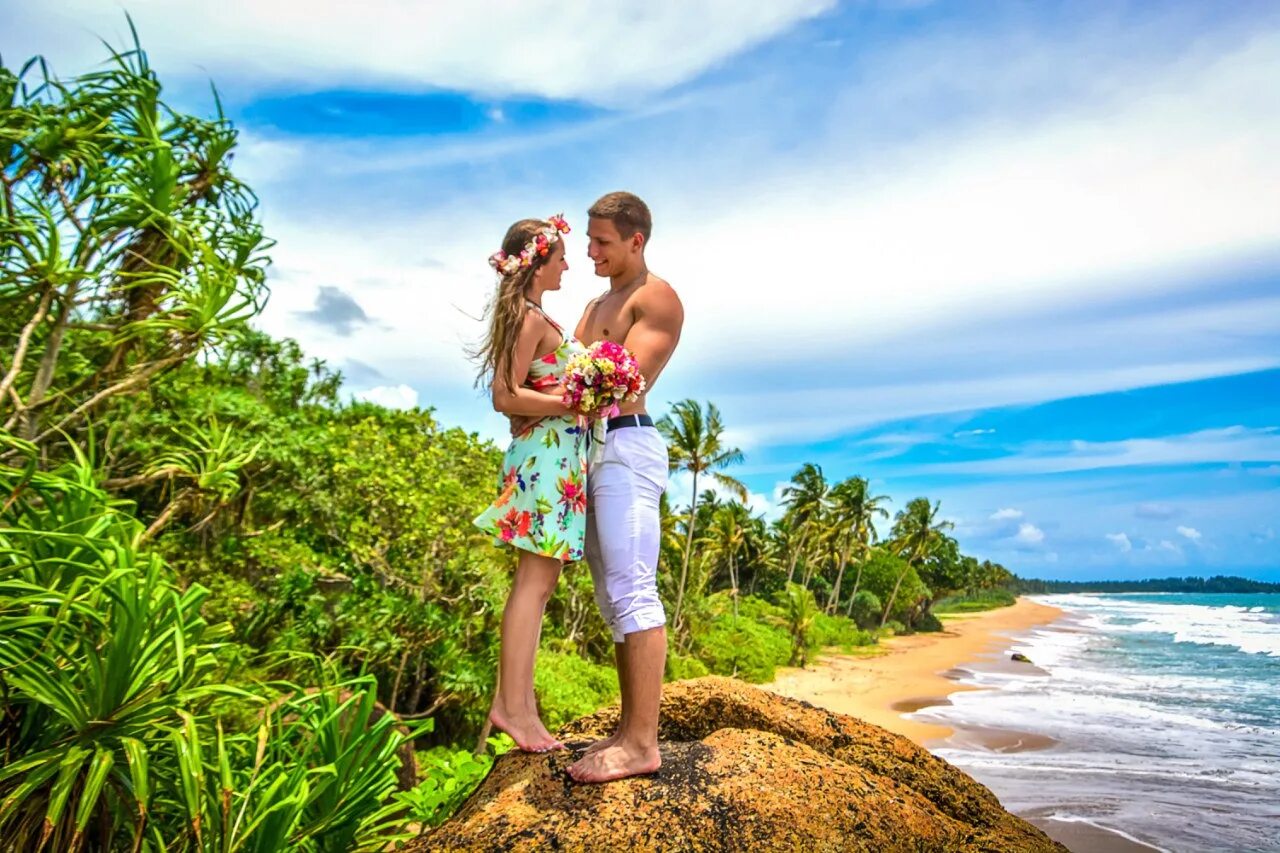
[1253, 630]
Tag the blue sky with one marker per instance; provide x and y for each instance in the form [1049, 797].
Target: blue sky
[1023, 258]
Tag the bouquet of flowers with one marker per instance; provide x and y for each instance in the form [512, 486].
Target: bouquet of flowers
[597, 380]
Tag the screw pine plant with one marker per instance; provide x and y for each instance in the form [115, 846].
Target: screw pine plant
[127, 247]
[110, 697]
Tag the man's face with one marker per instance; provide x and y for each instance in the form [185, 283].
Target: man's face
[606, 248]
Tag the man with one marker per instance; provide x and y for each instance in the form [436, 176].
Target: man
[643, 313]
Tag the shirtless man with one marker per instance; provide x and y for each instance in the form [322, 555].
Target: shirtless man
[641, 312]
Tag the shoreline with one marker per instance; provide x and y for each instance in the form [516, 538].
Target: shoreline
[918, 671]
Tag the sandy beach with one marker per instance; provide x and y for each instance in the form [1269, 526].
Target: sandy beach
[910, 673]
[905, 674]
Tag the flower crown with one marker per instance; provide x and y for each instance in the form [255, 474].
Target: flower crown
[539, 246]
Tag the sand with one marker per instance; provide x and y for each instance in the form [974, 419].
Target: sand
[905, 674]
[911, 672]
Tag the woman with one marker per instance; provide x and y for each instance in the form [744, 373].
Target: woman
[541, 510]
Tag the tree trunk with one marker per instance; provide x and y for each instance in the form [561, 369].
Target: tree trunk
[419, 681]
[395, 687]
[49, 362]
[808, 571]
[856, 582]
[164, 518]
[885, 617]
[795, 555]
[834, 601]
[24, 340]
[733, 582]
[688, 554]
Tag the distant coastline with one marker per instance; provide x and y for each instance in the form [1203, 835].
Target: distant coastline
[1226, 584]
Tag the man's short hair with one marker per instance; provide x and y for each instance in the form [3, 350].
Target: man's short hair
[626, 211]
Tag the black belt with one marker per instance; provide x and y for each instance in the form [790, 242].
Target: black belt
[628, 421]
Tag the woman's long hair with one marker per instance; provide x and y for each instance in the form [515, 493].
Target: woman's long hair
[506, 312]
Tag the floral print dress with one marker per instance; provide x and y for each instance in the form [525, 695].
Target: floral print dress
[542, 504]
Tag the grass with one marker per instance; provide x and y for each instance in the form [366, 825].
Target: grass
[985, 600]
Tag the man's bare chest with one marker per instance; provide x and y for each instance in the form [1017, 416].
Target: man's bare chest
[607, 321]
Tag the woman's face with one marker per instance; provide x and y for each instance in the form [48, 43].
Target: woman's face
[547, 276]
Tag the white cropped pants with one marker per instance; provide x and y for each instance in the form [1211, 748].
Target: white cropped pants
[623, 529]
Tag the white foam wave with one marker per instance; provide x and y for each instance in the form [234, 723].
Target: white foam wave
[1253, 630]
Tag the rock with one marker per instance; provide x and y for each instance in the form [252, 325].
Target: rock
[1020, 657]
[742, 769]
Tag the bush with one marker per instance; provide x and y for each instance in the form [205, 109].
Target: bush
[743, 647]
[569, 687]
[758, 609]
[926, 623]
[448, 778]
[867, 608]
[985, 600]
[114, 705]
[893, 628]
[837, 631]
[680, 667]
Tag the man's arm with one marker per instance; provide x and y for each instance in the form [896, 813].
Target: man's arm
[656, 330]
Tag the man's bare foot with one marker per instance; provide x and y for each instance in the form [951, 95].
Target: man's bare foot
[527, 731]
[603, 743]
[615, 762]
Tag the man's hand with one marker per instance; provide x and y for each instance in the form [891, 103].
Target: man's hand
[521, 424]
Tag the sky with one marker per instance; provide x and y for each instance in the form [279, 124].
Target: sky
[1019, 257]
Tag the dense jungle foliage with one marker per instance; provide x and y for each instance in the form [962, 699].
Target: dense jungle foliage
[241, 612]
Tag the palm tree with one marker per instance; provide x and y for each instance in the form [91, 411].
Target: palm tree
[801, 611]
[694, 437]
[727, 535]
[917, 530]
[853, 513]
[805, 499]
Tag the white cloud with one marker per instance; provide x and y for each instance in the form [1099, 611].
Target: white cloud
[1166, 545]
[391, 396]
[1151, 509]
[969, 432]
[1006, 514]
[1029, 534]
[1155, 169]
[1121, 541]
[1189, 532]
[551, 48]
[1231, 444]
[680, 484]
[1012, 213]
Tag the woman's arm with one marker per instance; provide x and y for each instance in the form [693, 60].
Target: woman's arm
[519, 400]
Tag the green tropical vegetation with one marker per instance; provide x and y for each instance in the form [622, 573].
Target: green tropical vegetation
[240, 612]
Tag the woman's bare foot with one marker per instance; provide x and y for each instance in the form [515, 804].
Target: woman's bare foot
[555, 741]
[526, 730]
[616, 762]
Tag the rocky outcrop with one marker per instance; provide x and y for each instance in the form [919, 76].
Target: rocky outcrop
[743, 769]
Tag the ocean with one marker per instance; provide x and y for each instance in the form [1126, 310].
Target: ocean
[1164, 715]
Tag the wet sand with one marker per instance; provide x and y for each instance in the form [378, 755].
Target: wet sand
[914, 672]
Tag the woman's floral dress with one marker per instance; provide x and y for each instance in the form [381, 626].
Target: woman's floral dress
[542, 505]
